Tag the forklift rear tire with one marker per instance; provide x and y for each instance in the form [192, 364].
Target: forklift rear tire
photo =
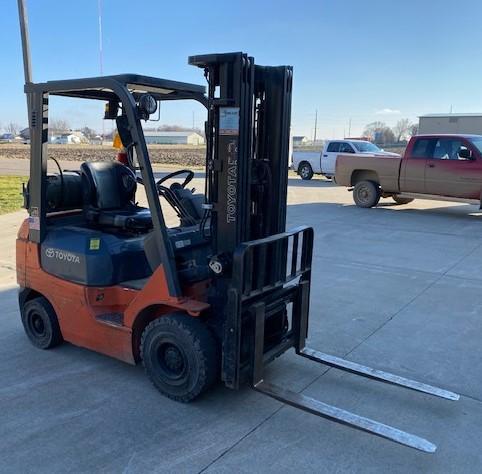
[366, 194]
[41, 324]
[180, 356]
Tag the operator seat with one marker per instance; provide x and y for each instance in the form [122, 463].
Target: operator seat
[109, 191]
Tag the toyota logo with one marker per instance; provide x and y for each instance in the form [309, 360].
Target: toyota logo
[50, 252]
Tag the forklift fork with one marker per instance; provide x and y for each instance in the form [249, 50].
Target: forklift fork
[315, 407]
[295, 287]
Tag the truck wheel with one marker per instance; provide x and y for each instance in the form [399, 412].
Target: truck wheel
[180, 356]
[40, 323]
[400, 200]
[366, 194]
[305, 171]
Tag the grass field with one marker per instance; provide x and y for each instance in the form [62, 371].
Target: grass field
[10, 193]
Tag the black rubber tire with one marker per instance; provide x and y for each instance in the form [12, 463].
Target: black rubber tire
[180, 356]
[366, 194]
[305, 171]
[41, 324]
[400, 200]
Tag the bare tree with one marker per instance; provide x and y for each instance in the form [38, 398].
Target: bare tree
[13, 128]
[401, 129]
[379, 132]
[57, 126]
[60, 125]
[413, 129]
[89, 132]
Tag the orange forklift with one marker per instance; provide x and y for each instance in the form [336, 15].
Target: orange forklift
[216, 297]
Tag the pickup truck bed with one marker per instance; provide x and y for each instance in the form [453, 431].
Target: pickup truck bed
[362, 167]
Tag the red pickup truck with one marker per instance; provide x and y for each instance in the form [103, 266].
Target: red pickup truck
[441, 167]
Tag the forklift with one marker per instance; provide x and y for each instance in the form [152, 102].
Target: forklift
[217, 297]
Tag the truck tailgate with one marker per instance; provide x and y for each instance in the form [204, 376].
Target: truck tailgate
[386, 168]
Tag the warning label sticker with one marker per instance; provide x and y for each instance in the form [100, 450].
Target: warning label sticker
[94, 244]
[34, 223]
[34, 219]
[229, 121]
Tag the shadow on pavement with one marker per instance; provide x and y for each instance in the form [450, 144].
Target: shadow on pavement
[311, 183]
[467, 213]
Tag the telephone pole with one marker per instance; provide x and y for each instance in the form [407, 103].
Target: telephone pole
[316, 124]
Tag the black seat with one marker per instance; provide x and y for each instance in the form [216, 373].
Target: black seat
[109, 191]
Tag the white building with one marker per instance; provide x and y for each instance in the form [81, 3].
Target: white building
[299, 140]
[173, 138]
[450, 123]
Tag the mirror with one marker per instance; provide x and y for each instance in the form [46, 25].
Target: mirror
[464, 153]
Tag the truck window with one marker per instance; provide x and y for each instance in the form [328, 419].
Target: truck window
[447, 149]
[346, 148]
[422, 148]
[333, 146]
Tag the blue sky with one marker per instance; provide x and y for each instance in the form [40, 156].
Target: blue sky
[365, 60]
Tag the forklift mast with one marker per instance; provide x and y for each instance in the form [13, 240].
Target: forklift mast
[249, 111]
[248, 129]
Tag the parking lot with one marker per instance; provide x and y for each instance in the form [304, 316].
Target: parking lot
[395, 287]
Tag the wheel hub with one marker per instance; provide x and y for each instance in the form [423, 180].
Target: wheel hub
[363, 194]
[38, 325]
[171, 360]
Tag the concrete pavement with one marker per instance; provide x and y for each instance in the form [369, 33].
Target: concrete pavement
[396, 287]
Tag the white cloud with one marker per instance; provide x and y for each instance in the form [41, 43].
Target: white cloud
[388, 111]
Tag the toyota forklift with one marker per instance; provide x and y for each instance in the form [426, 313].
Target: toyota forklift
[217, 297]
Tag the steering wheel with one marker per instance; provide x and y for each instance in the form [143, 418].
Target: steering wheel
[189, 176]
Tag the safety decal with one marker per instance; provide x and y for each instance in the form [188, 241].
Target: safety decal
[94, 244]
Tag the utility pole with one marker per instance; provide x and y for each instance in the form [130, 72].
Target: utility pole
[316, 124]
[349, 128]
[193, 119]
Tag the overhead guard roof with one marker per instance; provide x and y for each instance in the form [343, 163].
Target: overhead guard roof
[101, 87]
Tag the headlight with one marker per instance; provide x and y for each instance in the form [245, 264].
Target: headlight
[147, 104]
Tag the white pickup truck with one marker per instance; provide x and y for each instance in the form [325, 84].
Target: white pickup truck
[308, 163]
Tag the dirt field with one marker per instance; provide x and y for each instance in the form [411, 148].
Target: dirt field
[167, 154]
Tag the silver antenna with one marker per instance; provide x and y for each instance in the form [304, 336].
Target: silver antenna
[27, 64]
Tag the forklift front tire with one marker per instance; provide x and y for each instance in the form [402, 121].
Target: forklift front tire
[180, 356]
[41, 324]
